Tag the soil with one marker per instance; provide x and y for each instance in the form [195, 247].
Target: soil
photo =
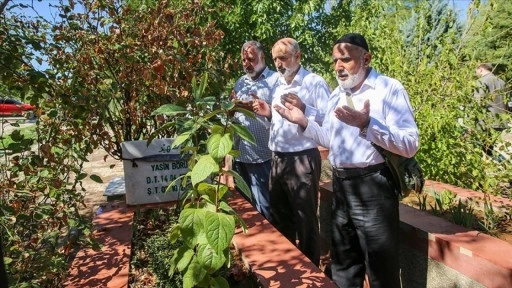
[154, 220]
[107, 168]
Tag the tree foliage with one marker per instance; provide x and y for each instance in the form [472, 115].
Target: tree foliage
[427, 26]
[118, 62]
[489, 36]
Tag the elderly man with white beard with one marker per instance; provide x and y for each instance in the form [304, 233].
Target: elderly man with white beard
[366, 109]
[296, 160]
[253, 163]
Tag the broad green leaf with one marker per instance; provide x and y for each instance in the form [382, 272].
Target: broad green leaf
[185, 257]
[81, 176]
[176, 258]
[219, 282]
[44, 173]
[170, 110]
[234, 153]
[17, 136]
[105, 84]
[175, 182]
[217, 129]
[209, 258]
[180, 139]
[247, 113]
[213, 113]
[203, 168]
[194, 274]
[175, 233]
[244, 133]
[53, 113]
[222, 190]
[240, 183]
[223, 206]
[161, 129]
[207, 204]
[219, 145]
[192, 226]
[220, 229]
[207, 189]
[227, 105]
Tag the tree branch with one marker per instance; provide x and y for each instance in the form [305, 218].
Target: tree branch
[3, 5]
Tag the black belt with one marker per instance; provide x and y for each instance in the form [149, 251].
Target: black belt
[291, 154]
[346, 173]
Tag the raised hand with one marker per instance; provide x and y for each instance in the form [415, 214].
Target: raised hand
[353, 117]
[261, 107]
[294, 100]
[292, 114]
[245, 104]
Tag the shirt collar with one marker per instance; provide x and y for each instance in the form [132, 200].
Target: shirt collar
[263, 75]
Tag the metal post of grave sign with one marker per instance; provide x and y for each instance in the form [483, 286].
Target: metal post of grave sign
[148, 171]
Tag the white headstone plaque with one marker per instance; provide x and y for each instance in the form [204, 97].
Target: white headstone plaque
[148, 171]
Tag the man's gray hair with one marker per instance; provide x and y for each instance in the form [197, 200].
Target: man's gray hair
[252, 43]
[290, 43]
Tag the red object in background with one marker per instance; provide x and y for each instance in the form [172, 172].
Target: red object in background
[14, 107]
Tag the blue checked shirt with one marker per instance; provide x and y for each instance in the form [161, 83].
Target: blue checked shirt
[259, 126]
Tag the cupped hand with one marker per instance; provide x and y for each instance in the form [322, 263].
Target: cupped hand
[292, 114]
[294, 100]
[353, 117]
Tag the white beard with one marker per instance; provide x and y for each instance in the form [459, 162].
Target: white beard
[287, 72]
[257, 70]
[352, 80]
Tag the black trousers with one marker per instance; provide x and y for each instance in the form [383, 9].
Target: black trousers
[365, 231]
[294, 184]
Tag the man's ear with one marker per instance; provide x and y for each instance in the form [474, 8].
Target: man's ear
[367, 59]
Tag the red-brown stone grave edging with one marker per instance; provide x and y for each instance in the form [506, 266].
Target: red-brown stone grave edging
[270, 256]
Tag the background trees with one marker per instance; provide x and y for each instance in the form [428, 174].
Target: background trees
[489, 36]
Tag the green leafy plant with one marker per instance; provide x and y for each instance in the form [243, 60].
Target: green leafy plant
[462, 214]
[491, 218]
[206, 224]
[422, 201]
[441, 201]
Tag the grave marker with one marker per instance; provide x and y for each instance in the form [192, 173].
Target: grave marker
[148, 170]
